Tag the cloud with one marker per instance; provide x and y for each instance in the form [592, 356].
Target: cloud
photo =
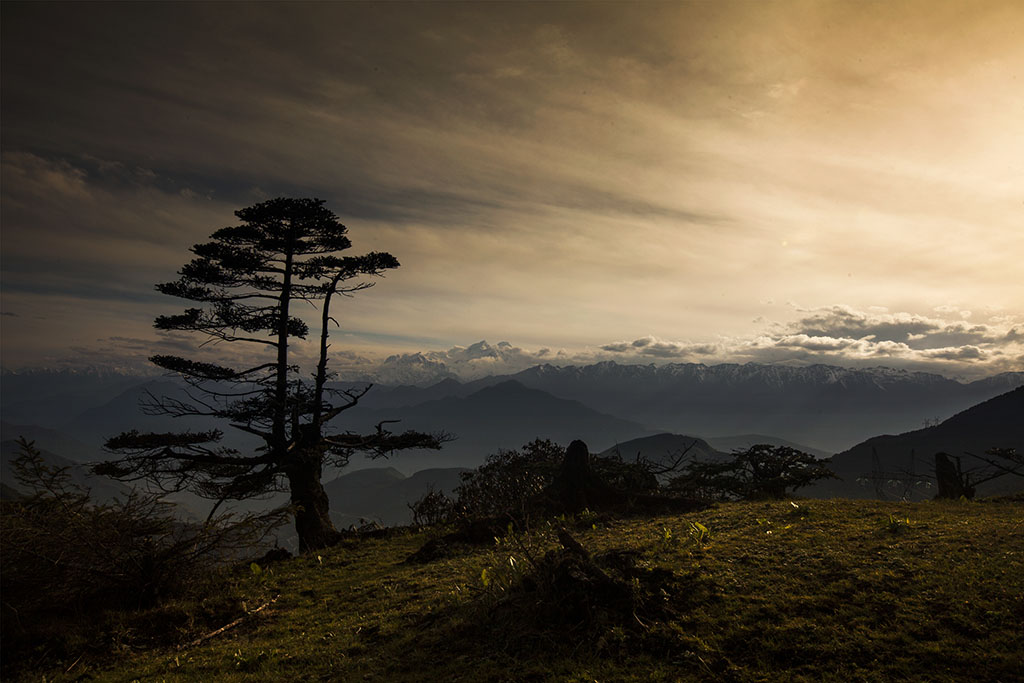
[809, 343]
[652, 347]
[843, 335]
[844, 321]
[929, 337]
[962, 353]
[464, 362]
[562, 175]
[1001, 349]
[922, 343]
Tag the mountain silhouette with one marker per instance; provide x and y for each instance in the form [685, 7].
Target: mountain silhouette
[506, 415]
[102, 489]
[383, 494]
[664, 447]
[996, 422]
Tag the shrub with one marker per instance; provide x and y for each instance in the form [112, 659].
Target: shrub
[66, 559]
[433, 509]
[509, 482]
[508, 486]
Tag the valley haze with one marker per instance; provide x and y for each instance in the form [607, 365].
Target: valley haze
[820, 407]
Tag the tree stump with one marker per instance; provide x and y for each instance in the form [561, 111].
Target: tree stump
[571, 484]
[950, 478]
[577, 487]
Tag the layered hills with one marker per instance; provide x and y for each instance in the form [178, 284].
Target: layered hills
[825, 407]
[645, 410]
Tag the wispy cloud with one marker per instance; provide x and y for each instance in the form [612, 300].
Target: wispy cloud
[562, 175]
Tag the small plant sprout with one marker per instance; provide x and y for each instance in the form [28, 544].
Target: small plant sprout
[700, 534]
[896, 524]
[799, 511]
[245, 662]
[504, 576]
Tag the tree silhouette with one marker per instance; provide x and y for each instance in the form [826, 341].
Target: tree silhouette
[246, 279]
[762, 471]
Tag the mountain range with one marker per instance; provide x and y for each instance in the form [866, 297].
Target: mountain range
[820, 409]
[383, 494]
[502, 416]
[826, 407]
[823, 407]
[497, 413]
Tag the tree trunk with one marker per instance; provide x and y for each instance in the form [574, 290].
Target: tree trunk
[279, 425]
[312, 517]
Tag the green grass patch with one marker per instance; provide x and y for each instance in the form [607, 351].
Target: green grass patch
[805, 591]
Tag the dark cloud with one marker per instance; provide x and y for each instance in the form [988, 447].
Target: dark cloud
[955, 334]
[652, 347]
[963, 353]
[361, 103]
[939, 345]
[844, 322]
[809, 343]
[839, 327]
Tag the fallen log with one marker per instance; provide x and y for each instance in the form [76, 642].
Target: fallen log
[230, 626]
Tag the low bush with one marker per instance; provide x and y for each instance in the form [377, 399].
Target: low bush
[68, 560]
[509, 486]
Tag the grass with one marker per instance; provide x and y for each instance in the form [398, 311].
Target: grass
[816, 590]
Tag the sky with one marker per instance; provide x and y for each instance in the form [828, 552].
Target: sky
[788, 182]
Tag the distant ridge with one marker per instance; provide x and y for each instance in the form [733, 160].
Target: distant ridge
[825, 407]
[997, 422]
[821, 408]
[745, 441]
[383, 494]
[504, 415]
[661, 447]
[101, 489]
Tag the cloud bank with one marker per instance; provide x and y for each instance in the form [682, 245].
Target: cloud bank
[837, 335]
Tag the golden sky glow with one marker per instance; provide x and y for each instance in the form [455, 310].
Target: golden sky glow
[705, 181]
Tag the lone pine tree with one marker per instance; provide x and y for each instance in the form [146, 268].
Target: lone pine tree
[246, 281]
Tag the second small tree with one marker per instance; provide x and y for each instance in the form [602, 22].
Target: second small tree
[761, 471]
[246, 279]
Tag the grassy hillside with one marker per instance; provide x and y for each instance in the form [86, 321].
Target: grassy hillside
[820, 590]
